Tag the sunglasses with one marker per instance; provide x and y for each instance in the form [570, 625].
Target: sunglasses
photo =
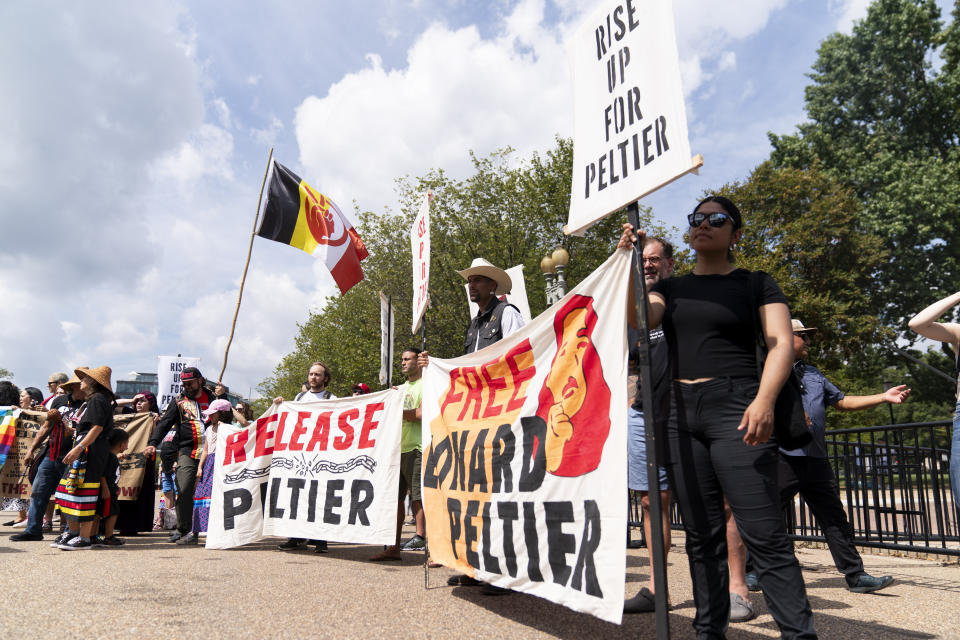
[716, 219]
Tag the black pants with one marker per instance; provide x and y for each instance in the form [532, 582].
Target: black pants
[813, 479]
[709, 460]
[186, 486]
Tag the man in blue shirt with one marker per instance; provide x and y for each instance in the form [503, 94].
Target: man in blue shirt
[808, 472]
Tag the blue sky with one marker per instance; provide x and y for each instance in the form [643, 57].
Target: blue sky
[136, 135]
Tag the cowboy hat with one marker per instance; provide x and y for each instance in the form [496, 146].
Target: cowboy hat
[480, 267]
[798, 327]
[100, 374]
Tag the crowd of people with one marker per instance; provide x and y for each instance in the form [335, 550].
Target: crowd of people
[723, 344]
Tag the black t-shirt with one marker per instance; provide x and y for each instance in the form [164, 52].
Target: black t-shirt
[709, 323]
[111, 472]
[659, 361]
[99, 412]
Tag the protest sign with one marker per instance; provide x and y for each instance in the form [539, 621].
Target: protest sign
[168, 377]
[517, 296]
[326, 470]
[420, 250]
[133, 464]
[18, 427]
[524, 473]
[630, 123]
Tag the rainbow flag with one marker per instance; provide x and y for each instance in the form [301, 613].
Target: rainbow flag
[8, 431]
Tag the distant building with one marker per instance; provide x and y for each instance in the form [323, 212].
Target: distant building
[148, 382]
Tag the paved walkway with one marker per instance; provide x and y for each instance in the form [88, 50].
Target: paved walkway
[151, 589]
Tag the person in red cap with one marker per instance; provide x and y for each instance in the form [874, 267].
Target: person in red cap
[184, 415]
[360, 389]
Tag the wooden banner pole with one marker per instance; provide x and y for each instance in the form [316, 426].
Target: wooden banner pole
[236, 312]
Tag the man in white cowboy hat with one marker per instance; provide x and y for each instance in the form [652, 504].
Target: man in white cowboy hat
[807, 471]
[495, 320]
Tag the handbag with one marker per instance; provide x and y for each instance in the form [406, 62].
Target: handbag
[790, 425]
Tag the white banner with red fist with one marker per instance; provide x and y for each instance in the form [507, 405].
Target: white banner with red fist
[525, 452]
[325, 470]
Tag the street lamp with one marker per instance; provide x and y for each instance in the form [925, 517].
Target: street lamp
[553, 267]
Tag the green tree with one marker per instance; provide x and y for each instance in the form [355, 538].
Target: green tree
[799, 226]
[506, 213]
[5, 374]
[883, 120]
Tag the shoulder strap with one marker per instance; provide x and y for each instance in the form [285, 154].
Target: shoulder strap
[754, 278]
[299, 395]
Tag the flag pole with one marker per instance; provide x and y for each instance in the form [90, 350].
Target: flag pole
[657, 555]
[243, 279]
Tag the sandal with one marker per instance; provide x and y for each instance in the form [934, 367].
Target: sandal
[386, 556]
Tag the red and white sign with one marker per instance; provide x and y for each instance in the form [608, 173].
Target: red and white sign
[525, 452]
[420, 248]
[325, 470]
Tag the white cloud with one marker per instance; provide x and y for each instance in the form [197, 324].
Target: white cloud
[848, 12]
[267, 136]
[223, 112]
[457, 92]
[207, 152]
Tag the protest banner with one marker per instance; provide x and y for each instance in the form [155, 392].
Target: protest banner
[18, 427]
[133, 464]
[517, 296]
[420, 250]
[630, 123]
[524, 472]
[326, 470]
[168, 377]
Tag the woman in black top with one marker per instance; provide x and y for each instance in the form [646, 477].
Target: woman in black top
[721, 420]
[87, 460]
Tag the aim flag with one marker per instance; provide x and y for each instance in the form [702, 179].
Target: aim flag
[298, 215]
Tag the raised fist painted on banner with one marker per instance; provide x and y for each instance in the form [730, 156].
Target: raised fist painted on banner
[575, 399]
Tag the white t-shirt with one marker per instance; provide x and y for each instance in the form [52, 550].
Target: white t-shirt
[315, 395]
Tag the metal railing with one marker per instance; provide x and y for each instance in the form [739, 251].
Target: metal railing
[894, 482]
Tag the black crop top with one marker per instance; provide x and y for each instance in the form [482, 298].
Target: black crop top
[708, 324]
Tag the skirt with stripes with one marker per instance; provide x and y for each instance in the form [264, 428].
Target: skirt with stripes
[79, 488]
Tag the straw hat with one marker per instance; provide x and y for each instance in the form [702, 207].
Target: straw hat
[480, 267]
[100, 374]
[72, 381]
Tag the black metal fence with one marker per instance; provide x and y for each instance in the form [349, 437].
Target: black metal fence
[894, 481]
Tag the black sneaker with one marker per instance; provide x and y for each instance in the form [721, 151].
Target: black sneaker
[113, 541]
[75, 543]
[176, 535]
[866, 583]
[96, 542]
[416, 543]
[26, 537]
[63, 538]
[291, 543]
[321, 547]
[189, 538]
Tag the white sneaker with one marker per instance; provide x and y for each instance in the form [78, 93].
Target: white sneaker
[75, 543]
[61, 539]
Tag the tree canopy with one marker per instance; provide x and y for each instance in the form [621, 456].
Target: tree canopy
[883, 121]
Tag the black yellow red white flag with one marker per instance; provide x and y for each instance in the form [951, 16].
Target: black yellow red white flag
[298, 215]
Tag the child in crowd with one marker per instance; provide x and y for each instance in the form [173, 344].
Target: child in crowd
[219, 411]
[109, 489]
